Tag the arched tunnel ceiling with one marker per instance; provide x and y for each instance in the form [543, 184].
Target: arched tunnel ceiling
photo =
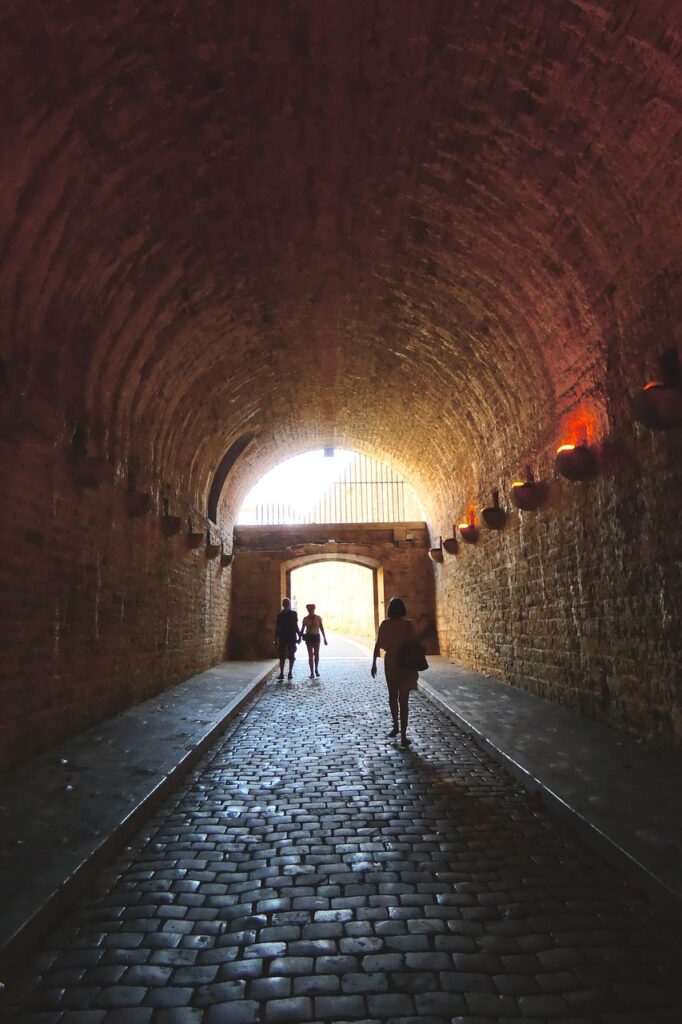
[392, 226]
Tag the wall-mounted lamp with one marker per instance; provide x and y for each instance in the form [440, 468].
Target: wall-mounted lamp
[193, 539]
[138, 503]
[493, 516]
[436, 554]
[88, 470]
[659, 403]
[450, 545]
[212, 550]
[170, 525]
[468, 530]
[575, 461]
[529, 494]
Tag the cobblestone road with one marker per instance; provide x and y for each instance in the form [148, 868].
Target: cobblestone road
[313, 870]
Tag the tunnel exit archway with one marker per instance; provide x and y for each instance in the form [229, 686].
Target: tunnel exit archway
[348, 594]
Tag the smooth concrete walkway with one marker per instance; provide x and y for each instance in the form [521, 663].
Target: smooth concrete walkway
[622, 796]
[67, 812]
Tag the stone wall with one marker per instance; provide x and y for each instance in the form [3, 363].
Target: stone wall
[581, 601]
[98, 610]
[401, 550]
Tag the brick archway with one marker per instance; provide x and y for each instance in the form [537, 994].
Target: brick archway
[264, 557]
[373, 564]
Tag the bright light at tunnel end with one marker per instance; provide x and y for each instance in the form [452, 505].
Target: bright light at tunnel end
[329, 485]
[297, 483]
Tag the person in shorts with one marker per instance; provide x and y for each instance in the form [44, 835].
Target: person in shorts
[311, 628]
[287, 636]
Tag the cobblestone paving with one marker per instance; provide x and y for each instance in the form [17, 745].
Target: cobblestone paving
[313, 870]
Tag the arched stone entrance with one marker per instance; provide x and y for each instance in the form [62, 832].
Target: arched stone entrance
[369, 563]
[265, 557]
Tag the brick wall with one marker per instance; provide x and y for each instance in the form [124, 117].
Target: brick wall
[581, 602]
[99, 610]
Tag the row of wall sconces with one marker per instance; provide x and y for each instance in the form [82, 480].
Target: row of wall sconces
[90, 471]
[658, 406]
[172, 525]
[573, 461]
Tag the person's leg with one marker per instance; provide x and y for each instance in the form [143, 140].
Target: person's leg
[404, 702]
[311, 654]
[282, 659]
[393, 705]
[316, 648]
[292, 658]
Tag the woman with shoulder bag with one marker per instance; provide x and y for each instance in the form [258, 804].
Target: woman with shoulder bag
[398, 638]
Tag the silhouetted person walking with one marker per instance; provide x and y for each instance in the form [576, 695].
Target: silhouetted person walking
[311, 628]
[393, 633]
[287, 635]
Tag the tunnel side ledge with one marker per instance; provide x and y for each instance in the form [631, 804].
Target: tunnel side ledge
[622, 798]
[69, 811]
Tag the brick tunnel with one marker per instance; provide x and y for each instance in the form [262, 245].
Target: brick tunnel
[446, 236]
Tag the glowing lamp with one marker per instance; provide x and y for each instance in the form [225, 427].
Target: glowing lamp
[575, 461]
[659, 403]
[468, 530]
[451, 545]
[493, 516]
[529, 494]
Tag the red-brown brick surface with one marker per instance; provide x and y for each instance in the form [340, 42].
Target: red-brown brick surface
[461, 220]
[101, 610]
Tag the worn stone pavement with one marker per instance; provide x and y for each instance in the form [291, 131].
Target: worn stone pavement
[311, 869]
